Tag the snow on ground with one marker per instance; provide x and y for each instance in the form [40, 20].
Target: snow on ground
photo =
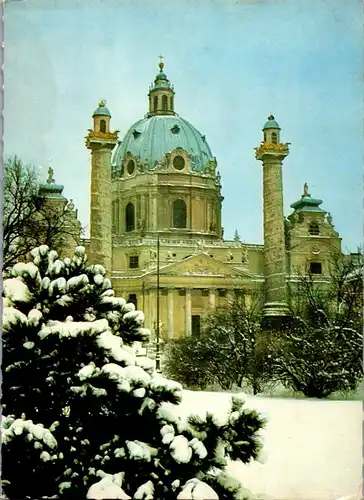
[313, 448]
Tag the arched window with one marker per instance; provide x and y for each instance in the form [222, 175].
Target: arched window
[164, 103]
[274, 137]
[129, 217]
[179, 214]
[265, 136]
[172, 103]
[102, 126]
[155, 103]
[314, 229]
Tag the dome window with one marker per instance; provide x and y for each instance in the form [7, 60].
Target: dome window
[136, 134]
[129, 218]
[103, 126]
[179, 162]
[313, 229]
[155, 103]
[164, 103]
[274, 138]
[179, 214]
[203, 137]
[130, 167]
[175, 129]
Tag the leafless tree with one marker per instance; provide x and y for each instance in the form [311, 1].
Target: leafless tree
[339, 295]
[28, 220]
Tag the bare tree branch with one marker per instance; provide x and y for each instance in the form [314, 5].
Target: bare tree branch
[29, 220]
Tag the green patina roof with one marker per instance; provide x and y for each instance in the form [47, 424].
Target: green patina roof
[161, 81]
[51, 190]
[151, 138]
[271, 123]
[307, 204]
[102, 110]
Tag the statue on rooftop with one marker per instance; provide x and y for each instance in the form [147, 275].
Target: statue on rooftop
[50, 179]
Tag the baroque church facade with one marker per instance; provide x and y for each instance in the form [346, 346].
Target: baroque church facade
[156, 223]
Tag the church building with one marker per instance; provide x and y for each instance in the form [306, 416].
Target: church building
[156, 222]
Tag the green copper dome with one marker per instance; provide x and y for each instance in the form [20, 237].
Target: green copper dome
[50, 189]
[271, 123]
[306, 203]
[102, 110]
[151, 138]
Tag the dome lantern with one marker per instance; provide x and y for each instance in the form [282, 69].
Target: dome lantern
[101, 118]
[271, 131]
[161, 94]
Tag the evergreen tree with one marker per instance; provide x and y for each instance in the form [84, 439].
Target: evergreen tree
[88, 418]
[236, 235]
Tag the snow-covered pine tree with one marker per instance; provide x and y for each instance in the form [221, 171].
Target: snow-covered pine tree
[86, 417]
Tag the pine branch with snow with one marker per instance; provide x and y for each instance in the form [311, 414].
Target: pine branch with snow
[106, 424]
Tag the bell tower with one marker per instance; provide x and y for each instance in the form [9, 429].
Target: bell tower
[101, 141]
[271, 153]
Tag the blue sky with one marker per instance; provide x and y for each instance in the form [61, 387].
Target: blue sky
[232, 63]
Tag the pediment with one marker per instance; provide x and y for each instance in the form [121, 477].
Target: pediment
[201, 265]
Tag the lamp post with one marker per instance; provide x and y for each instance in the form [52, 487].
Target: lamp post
[157, 355]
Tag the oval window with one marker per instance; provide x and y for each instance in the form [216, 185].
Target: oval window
[130, 166]
[179, 162]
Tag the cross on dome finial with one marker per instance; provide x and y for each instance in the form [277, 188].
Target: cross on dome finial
[161, 64]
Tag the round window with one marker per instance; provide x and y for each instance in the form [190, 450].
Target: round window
[130, 166]
[179, 162]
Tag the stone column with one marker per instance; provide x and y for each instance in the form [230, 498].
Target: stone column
[142, 208]
[101, 145]
[147, 310]
[155, 212]
[271, 156]
[230, 295]
[101, 206]
[212, 298]
[170, 333]
[188, 318]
